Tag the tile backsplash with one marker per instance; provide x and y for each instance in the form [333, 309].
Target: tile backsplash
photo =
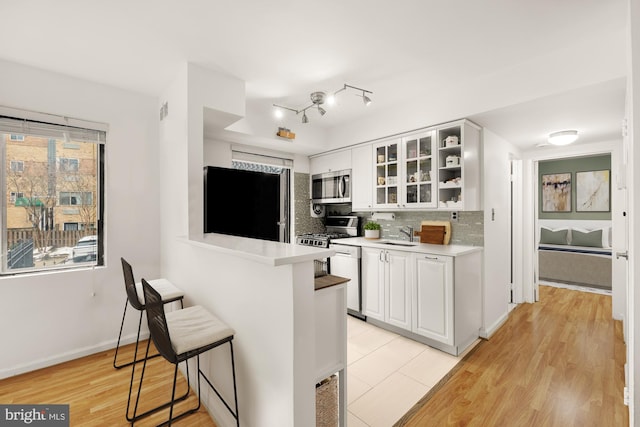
[468, 230]
[304, 223]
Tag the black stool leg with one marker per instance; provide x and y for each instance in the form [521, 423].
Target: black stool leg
[124, 314]
[135, 416]
[135, 355]
[235, 390]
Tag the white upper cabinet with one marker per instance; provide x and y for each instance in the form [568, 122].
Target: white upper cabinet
[419, 170]
[361, 177]
[330, 162]
[387, 178]
[459, 179]
[435, 168]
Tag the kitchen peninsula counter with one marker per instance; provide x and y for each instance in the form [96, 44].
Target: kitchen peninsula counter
[262, 251]
[288, 334]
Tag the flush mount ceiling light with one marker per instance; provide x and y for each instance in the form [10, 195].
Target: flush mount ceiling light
[320, 98]
[564, 137]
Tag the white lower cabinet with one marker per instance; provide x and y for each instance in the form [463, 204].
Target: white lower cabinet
[387, 277]
[433, 298]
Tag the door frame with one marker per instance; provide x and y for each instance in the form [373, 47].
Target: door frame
[529, 288]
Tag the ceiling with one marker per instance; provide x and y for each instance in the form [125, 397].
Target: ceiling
[535, 66]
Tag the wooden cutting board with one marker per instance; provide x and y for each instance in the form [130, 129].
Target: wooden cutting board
[435, 232]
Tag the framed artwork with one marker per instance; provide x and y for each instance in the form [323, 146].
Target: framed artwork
[593, 191]
[556, 192]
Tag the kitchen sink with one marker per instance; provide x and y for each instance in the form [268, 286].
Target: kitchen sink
[398, 243]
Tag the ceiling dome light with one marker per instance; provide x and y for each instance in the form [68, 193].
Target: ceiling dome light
[564, 137]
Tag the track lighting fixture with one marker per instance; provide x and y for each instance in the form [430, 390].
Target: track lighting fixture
[320, 98]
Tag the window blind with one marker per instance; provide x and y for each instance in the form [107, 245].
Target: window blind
[69, 129]
[244, 156]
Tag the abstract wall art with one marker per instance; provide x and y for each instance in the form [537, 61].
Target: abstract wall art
[556, 192]
[593, 191]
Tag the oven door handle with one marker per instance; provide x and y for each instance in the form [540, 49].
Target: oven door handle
[341, 186]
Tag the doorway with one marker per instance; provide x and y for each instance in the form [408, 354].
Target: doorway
[573, 222]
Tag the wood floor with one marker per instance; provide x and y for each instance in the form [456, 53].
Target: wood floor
[97, 393]
[559, 362]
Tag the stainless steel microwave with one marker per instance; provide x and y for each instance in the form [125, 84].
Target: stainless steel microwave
[331, 187]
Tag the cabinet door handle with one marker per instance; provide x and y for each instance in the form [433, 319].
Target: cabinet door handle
[380, 258]
[431, 257]
[386, 256]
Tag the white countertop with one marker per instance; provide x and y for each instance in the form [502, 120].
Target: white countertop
[262, 251]
[427, 248]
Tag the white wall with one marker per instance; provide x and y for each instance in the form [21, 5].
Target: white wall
[497, 216]
[253, 298]
[633, 179]
[51, 317]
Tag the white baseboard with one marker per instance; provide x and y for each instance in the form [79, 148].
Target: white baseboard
[67, 356]
[486, 333]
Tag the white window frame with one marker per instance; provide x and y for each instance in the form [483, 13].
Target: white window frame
[68, 164]
[79, 195]
[26, 123]
[15, 195]
[17, 166]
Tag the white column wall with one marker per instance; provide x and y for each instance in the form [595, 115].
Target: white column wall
[496, 184]
[48, 318]
[274, 365]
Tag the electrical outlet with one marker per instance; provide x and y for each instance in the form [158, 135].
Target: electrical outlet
[454, 216]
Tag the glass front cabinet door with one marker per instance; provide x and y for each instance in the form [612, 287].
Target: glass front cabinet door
[419, 170]
[387, 161]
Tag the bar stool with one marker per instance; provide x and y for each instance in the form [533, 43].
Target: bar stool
[181, 335]
[135, 298]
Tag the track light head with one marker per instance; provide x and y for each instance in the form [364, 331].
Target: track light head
[366, 99]
[321, 110]
[305, 119]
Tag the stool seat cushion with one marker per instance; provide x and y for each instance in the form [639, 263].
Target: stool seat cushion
[194, 327]
[165, 288]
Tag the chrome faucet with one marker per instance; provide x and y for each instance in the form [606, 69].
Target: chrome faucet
[408, 232]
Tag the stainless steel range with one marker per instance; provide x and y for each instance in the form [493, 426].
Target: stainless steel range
[346, 261]
[338, 227]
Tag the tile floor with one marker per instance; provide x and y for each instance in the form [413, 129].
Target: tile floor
[387, 374]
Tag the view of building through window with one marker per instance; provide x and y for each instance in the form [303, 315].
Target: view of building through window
[51, 194]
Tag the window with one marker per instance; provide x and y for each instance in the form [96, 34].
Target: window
[17, 138]
[14, 196]
[53, 193]
[68, 165]
[75, 198]
[17, 166]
